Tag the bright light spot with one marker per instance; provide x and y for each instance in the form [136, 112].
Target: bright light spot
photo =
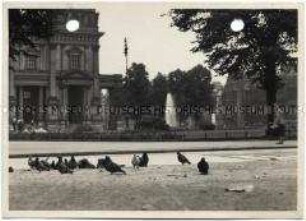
[237, 25]
[72, 25]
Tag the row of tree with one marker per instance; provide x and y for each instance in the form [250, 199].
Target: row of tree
[190, 88]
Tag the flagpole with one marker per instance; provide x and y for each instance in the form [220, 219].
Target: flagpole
[126, 64]
[126, 51]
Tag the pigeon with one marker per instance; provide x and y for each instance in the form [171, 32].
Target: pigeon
[203, 166]
[52, 166]
[40, 166]
[136, 161]
[144, 160]
[182, 159]
[66, 162]
[111, 166]
[62, 168]
[72, 163]
[10, 169]
[45, 163]
[31, 163]
[59, 161]
[100, 164]
[85, 164]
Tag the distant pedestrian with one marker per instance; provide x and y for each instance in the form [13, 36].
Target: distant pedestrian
[279, 125]
[203, 166]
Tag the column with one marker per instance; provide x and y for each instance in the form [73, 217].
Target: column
[40, 103]
[90, 58]
[12, 91]
[12, 97]
[53, 98]
[85, 104]
[55, 66]
[20, 103]
[95, 57]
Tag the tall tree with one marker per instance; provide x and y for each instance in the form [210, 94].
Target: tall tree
[176, 84]
[159, 92]
[259, 51]
[26, 24]
[198, 89]
[136, 89]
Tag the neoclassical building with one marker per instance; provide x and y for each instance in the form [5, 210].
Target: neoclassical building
[242, 105]
[57, 84]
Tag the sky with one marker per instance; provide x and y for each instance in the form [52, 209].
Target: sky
[150, 38]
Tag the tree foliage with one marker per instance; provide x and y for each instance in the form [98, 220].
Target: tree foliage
[198, 88]
[136, 90]
[192, 90]
[25, 25]
[137, 85]
[159, 90]
[258, 52]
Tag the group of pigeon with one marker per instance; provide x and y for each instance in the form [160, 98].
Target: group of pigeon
[203, 165]
[69, 166]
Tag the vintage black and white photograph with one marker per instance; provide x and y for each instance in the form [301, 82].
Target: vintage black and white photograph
[153, 107]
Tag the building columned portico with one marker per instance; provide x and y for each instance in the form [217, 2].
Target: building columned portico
[57, 83]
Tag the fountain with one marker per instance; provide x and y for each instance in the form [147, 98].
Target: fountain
[170, 115]
[105, 107]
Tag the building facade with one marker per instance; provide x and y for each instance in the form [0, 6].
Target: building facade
[242, 104]
[56, 85]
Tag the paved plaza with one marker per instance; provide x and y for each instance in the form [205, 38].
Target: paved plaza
[238, 180]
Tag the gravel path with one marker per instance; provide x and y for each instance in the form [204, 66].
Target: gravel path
[270, 179]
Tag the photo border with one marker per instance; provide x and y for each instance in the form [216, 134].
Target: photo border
[155, 214]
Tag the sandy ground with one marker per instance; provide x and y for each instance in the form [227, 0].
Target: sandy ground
[268, 175]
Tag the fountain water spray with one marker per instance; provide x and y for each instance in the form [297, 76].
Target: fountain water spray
[170, 115]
